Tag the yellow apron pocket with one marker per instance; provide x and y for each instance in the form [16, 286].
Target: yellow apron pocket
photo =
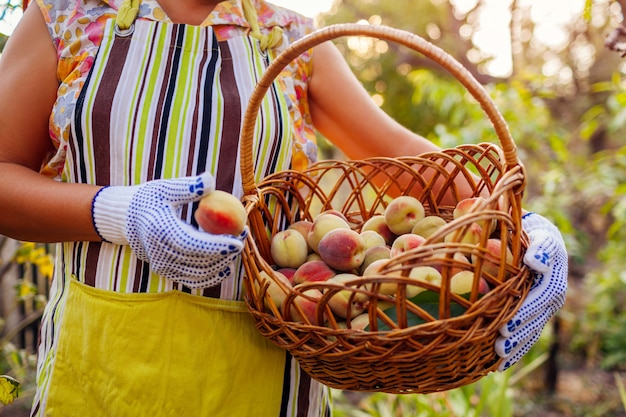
[166, 354]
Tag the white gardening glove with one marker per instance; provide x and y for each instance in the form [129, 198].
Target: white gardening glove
[147, 217]
[546, 258]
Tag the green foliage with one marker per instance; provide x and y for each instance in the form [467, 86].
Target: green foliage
[490, 396]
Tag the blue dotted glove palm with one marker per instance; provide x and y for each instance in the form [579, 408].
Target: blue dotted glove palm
[546, 258]
[148, 218]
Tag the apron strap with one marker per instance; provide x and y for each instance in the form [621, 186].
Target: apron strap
[127, 14]
[129, 9]
[271, 40]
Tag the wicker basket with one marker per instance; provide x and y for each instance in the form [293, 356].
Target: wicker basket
[408, 346]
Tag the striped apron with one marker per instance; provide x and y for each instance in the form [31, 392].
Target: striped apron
[117, 339]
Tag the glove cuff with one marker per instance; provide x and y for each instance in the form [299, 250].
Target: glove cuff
[109, 211]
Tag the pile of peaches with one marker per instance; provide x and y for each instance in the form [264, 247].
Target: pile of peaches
[328, 250]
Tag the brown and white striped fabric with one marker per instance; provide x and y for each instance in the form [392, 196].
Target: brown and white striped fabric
[167, 102]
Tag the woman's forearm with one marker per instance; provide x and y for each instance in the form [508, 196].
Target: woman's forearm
[38, 209]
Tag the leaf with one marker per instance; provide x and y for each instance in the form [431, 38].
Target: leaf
[9, 389]
[427, 301]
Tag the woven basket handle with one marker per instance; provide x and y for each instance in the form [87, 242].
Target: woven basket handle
[402, 37]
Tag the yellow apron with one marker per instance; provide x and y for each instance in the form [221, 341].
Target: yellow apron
[137, 355]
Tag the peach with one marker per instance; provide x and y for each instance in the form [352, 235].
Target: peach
[347, 303]
[462, 282]
[493, 257]
[427, 226]
[303, 309]
[288, 249]
[405, 243]
[378, 224]
[372, 239]
[342, 249]
[322, 224]
[313, 271]
[302, 226]
[466, 205]
[374, 269]
[221, 213]
[402, 213]
[360, 322]
[335, 213]
[471, 235]
[426, 274]
[373, 254]
[289, 273]
[277, 290]
[313, 256]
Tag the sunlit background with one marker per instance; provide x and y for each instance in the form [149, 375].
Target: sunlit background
[551, 18]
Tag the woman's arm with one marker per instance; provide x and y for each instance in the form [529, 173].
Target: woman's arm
[32, 206]
[344, 113]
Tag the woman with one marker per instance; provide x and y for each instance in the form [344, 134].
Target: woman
[116, 117]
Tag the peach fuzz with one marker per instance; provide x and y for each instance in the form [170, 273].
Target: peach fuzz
[289, 249]
[402, 213]
[221, 213]
[342, 249]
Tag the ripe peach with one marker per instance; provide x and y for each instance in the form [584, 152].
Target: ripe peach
[277, 290]
[405, 243]
[374, 269]
[428, 225]
[347, 303]
[288, 249]
[373, 254]
[462, 282]
[288, 272]
[471, 235]
[302, 226]
[378, 224]
[342, 249]
[372, 239]
[336, 213]
[313, 271]
[360, 322]
[427, 274]
[493, 258]
[303, 309]
[221, 213]
[465, 206]
[402, 213]
[322, 224]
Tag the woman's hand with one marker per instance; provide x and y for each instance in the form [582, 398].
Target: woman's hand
[546, 257]
[147, 217]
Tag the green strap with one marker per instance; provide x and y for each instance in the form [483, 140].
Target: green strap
[127, 13]
[129, 9]
[270, 40]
